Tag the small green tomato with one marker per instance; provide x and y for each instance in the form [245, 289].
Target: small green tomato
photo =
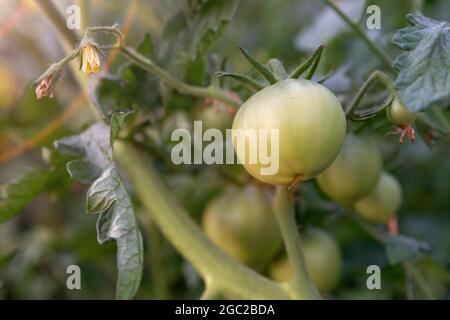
[241, 222]
[399, 115]
[322, 257]
[383, 201]
[354, 173]
[311, 126]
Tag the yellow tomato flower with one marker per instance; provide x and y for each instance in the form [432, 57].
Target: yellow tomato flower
[90, 61]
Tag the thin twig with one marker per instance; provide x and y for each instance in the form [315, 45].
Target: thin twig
[384, 58]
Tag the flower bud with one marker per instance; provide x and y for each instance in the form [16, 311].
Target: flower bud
[90, 61]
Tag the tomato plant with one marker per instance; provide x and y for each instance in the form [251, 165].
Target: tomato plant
[117, 124]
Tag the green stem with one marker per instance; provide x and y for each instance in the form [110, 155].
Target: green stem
[69, 39]
[384, 58]
[377, 75]
[277, 68]
[175, 83]
[155, 256]
[113, 29]
[301, 286]
[210, 293]
[84, 8]
[234, 279]
[420, 280]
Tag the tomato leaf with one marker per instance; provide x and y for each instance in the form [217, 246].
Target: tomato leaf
[194, 28]
[119, 121]
[18, 193]
[15, 195]
[401, 248]
[424, 67]
[132, 88]
[107, 196]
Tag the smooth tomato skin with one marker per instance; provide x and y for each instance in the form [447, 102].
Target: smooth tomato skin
[383, 201]
[241, 222]
[322, 257]
[311, 126]
[399, 115]
[354, 173]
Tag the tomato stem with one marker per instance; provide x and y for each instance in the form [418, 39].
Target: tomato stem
[175, 83]
[384, 58]
[377, 75]
[301, 285]
[229, 276]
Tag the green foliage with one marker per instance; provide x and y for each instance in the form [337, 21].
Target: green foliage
[424, 73]
[191, 31]
[16, 194]
[402, 248]
[107, 197]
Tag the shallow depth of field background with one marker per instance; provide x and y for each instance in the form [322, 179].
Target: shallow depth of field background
[54, 231]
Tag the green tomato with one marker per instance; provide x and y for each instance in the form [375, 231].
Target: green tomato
[241, 222]
[322, 257]
[354, 173]
[177, 120]
[383, 201]
[311, 126]
[399, 115]
[214, 115]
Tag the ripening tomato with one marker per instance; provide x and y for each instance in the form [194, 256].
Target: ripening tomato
[322, 257]
[241, 222]
[311, 126]
[354, 173]
[383, 201]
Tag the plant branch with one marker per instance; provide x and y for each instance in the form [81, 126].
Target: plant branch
[384, 58]
[301, 285]
[177, 84]
[377, 75]
[231, 277]
[69, 39]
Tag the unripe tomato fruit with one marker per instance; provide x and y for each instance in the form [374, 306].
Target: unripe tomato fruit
[322, 257]
[399, 115]
[241, 222]
[311, 126]
[354, 173]
[176, 120]
[216, 114]
[383, 201]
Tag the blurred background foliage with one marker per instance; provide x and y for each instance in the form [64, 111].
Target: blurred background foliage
[53, 231]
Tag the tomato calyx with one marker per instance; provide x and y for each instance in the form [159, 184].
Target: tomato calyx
[273, 71]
